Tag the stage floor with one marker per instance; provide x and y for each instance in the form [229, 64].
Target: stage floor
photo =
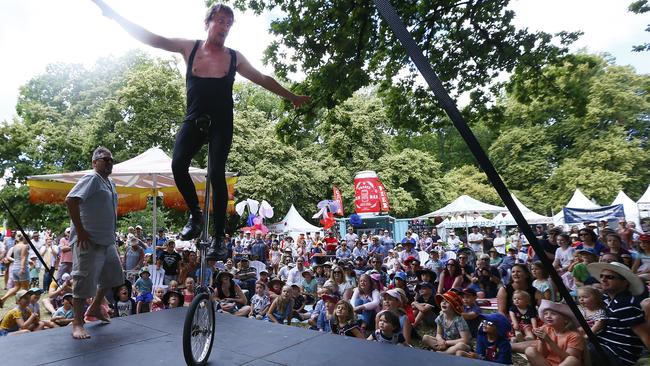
[155, 339]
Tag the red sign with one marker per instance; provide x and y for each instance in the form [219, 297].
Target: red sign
[383, 197]
[339, 199]
[366, 195]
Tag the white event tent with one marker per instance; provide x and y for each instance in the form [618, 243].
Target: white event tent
[465, 206]
[629, 207]
[578, 200]
[643, 204]
[533, 218]
[293, 224]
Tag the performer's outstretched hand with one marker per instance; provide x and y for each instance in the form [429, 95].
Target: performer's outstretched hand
[299, 100]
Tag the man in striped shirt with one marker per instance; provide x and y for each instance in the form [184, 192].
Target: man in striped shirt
[625, 333]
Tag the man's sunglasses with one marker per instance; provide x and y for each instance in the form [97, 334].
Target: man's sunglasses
[610, 277]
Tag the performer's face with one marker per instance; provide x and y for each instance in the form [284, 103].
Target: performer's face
[104, 164]
[219, 26]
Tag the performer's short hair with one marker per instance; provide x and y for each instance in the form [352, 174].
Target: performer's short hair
[99, 151]
[214, 9]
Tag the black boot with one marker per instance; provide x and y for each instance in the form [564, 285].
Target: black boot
[217, 250]
[193, 227]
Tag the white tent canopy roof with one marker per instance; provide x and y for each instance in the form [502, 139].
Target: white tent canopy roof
[643, 204]
[531, 217]
[578, 200]
[293, 222]
[629, 207]
[464, 205]
[137, 172]
[459, 221]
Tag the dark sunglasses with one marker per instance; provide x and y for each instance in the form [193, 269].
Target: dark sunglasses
[610, 277]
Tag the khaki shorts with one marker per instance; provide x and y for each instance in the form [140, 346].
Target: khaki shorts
[96, 266]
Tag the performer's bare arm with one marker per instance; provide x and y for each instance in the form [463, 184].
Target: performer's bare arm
[180, 45]
[245, 69]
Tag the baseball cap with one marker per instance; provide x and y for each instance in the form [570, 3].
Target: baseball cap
[22, 293]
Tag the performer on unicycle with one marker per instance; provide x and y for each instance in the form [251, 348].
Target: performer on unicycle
[211, 68]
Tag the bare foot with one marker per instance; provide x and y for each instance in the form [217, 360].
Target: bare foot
[78, 332]
[97, 314]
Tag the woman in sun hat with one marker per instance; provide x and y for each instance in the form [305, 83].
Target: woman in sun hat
[558, 341]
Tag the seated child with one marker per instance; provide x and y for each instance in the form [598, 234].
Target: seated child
[523, 316]
[492, 343]
[260, 302]
[558, 341]
[298, 304]
[327, 314]
[388, 329]
[592, 308]
[35, 307]
[65, 314]
[173, 299]
[344, 321]
[281, 308]
[157, 304]
[144, 289]
[124, 305]
[452, 331]
[471, 311]
[188, 291]
[20, 319]
[425, 308]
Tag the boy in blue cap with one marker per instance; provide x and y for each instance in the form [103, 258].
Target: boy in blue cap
[492, 343]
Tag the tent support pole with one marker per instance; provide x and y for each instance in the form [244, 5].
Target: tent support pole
[155, 216]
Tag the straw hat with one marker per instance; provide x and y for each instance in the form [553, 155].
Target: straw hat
[558, 307]
[636, 284]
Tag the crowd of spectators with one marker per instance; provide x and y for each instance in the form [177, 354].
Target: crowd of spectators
[484, 296]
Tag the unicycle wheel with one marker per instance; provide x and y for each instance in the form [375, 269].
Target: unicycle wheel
[198, 330]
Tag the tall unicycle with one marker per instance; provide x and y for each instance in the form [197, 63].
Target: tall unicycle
[198, 329]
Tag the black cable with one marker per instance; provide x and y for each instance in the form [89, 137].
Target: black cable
[425, 69]
[29, 241]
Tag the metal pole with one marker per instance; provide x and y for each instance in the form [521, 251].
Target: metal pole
[155, 216]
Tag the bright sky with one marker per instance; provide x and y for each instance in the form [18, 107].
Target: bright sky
[34, 33]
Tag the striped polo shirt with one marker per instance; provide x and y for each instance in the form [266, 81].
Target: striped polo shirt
[623, 312]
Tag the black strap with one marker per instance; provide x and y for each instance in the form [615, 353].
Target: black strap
[233, 63]
[190, 61]
[423, 65]
[48, 269]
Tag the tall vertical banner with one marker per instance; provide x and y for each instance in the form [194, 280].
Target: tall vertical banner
[383, 197]
[368, 193]
[336, 194]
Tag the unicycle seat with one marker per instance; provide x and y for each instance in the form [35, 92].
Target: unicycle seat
[203, 122]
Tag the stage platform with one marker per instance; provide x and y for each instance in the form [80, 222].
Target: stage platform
[155, 339]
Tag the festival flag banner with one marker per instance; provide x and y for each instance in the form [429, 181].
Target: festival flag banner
[339, 199]
[383, 197]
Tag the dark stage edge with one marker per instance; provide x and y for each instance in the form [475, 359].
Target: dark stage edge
[155, 339]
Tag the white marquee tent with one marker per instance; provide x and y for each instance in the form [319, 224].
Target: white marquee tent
[533, 218]
[629, 207]
[464, 205]
[643, 204]
[293, 224]
[579, 200]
